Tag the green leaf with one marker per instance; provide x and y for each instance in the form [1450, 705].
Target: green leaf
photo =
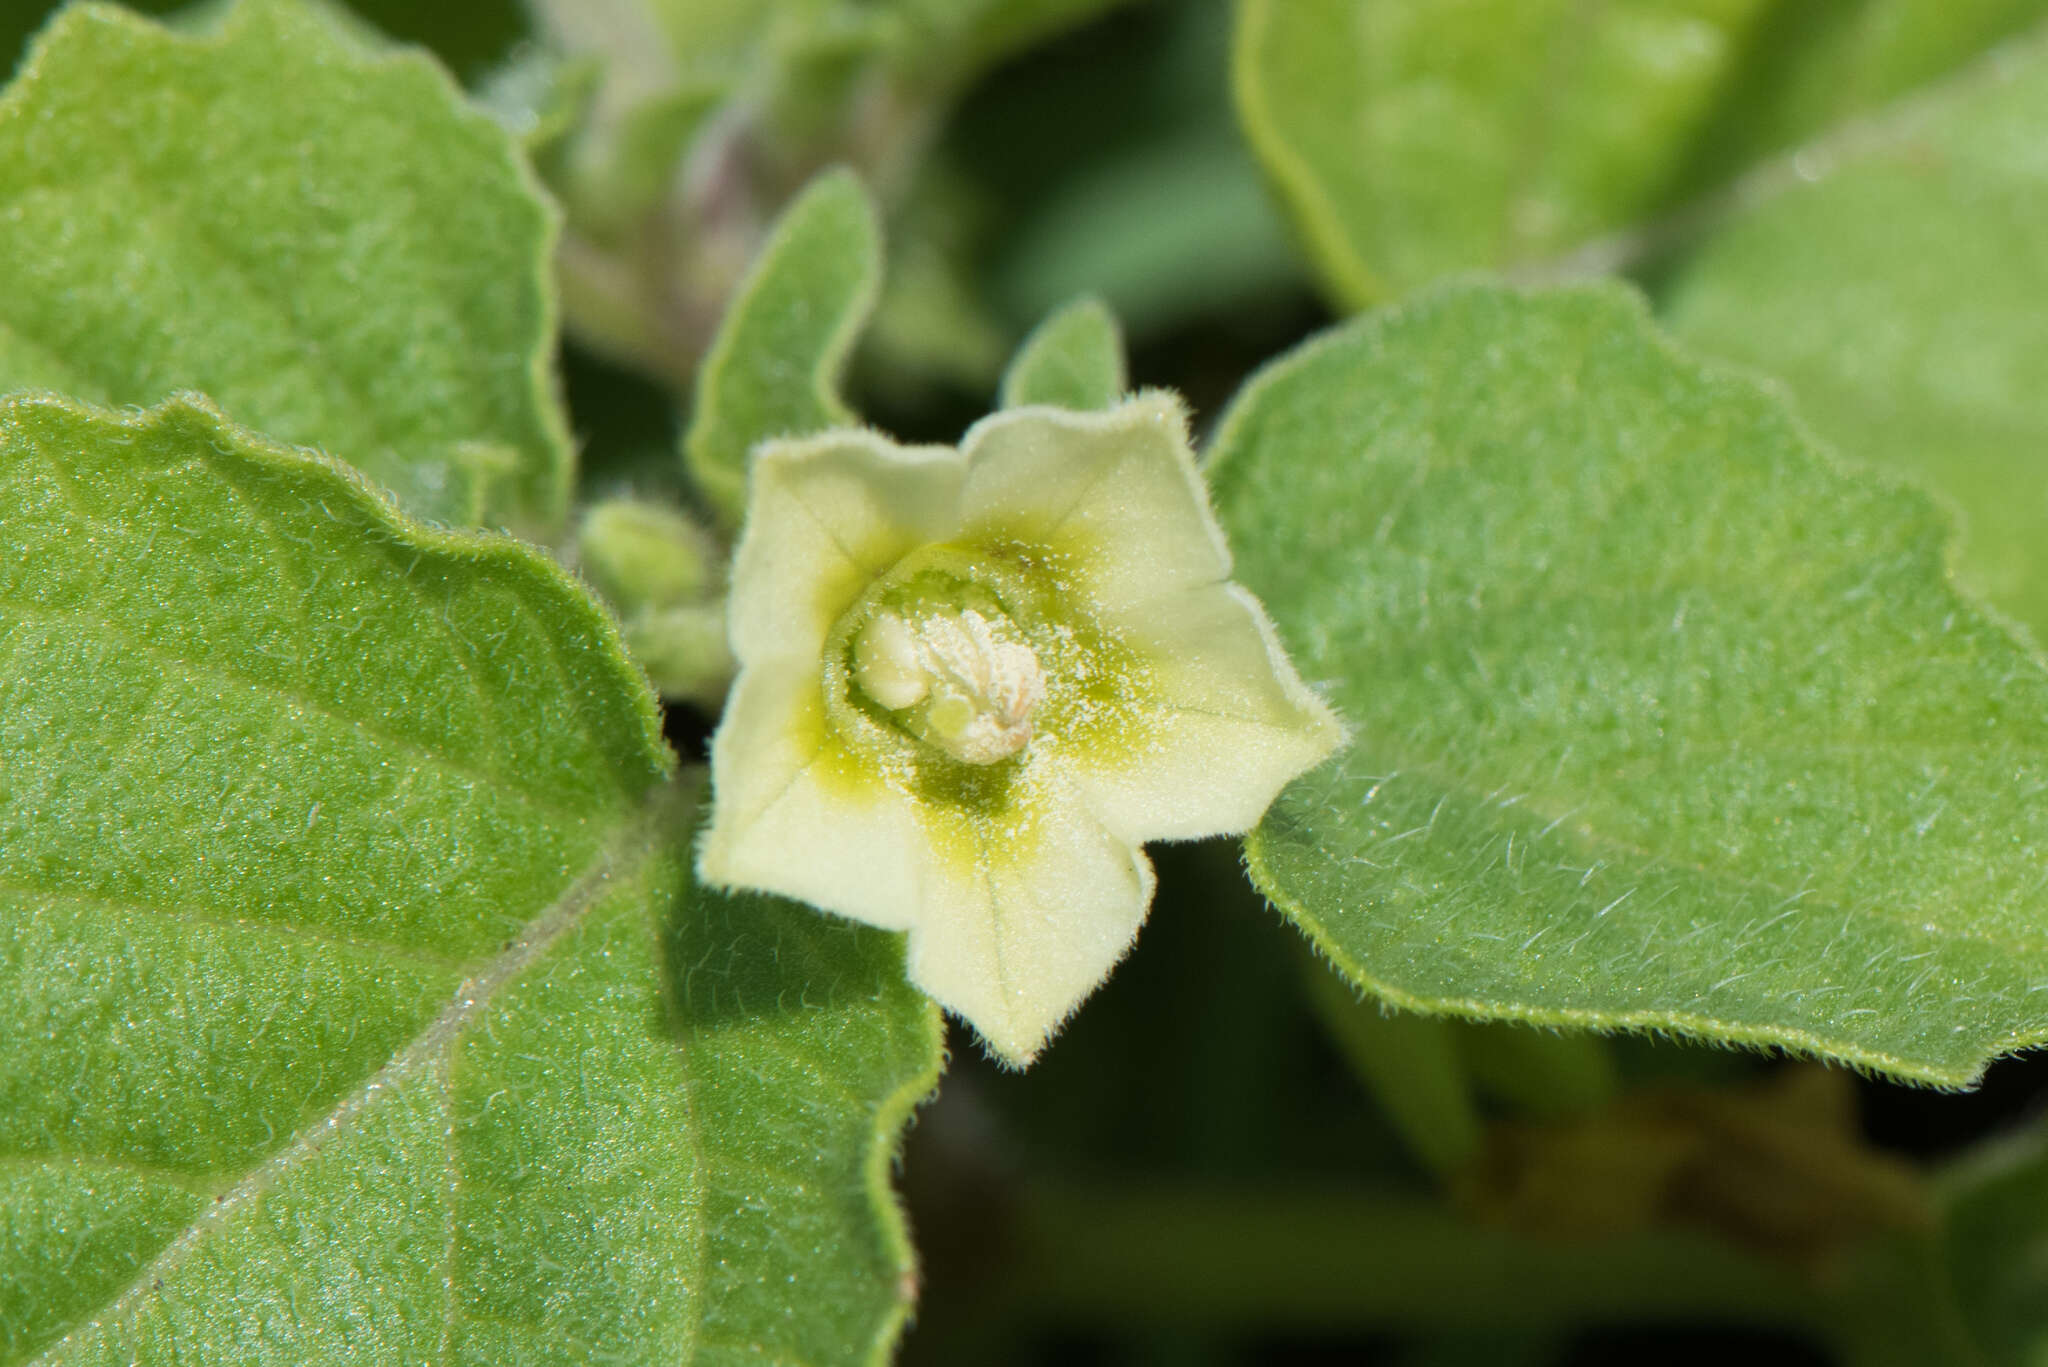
[1808, 69]
[1415, 138]
[774, 367]
[1661, 719]
[323, 240]
[358, 999]
[1169, 233]
[1074, 359]
[1411, 1066]
[609, 174]
[1904, 297]
[709, 117]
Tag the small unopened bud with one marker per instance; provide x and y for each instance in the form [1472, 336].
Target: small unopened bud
[684, 652]
[642, 555]
[661, 573]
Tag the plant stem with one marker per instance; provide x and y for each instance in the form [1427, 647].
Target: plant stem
[1409, 1063]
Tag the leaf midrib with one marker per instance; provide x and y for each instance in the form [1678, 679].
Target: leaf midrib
[640, 836]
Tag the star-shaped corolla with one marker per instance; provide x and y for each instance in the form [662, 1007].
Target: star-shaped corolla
[973, 682]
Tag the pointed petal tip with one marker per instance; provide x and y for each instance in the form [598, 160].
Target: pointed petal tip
[1017, 945]
[1160, 405]
[1012, 1056]
[1327, 729]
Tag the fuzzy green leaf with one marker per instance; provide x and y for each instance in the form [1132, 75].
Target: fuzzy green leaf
[1414, 138]
[1661, 719]
[1074, 359]
[322, 239]
[774, 368]
[1904, 297]
[359, 1004]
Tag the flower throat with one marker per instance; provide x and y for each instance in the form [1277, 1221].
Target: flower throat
[958, 678]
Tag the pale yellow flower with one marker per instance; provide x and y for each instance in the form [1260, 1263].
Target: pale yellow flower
[972, 683]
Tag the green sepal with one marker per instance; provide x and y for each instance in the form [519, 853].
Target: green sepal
[1074, 359]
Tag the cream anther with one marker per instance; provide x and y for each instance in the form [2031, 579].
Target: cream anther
[978, 690]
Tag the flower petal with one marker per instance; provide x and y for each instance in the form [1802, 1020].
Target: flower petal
[1021, 925]
[1022, 889]
[825, 515]
[1226, 702]
[792, 814]
[1116, 491]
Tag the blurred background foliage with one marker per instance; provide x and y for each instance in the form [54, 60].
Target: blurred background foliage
[1227, 1159]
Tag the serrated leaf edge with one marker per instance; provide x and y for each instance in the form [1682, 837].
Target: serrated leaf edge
[1687, 1025]
[372, 500]
[224, 30]
[640, 837]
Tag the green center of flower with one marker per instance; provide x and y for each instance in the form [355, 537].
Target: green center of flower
[959, 678]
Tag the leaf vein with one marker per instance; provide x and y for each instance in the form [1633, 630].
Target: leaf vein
[428, 1053]
[447, 764]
